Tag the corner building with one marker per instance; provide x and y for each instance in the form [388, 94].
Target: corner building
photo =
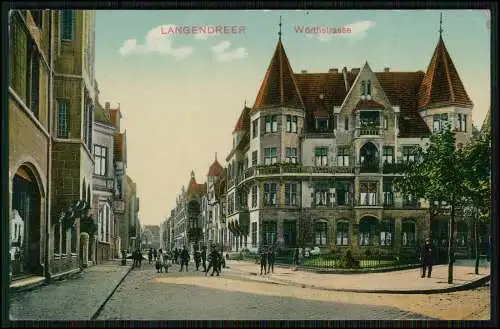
[314, 159]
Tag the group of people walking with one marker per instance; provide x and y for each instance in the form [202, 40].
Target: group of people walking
[267, 259]
[164, 260]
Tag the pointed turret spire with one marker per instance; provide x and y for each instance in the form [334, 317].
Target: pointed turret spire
[279, 87]
[442, 85]
[216, 156]
[192, 173]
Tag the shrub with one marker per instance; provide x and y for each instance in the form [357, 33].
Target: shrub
[348, 261]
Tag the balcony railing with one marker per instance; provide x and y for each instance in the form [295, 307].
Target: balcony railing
[368, 131]
[395, 168]
[372, 167]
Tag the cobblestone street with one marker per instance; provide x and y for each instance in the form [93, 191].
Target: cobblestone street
[148, 295]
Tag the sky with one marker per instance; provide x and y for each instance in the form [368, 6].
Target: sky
[181, 94]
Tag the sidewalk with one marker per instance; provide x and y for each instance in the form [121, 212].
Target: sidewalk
[397, 282]
[76, 298]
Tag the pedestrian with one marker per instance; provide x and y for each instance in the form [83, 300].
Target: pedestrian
[184, 259]
[426, 258]
[139, 257]
[271, 258]
[204, 257]
[263, 260]
[155, 254]
[150, 255]
[213, 262]
[158, 261]
[296, 257]
[197, 259]
[168, 261]
[134, 258]
[176, 256]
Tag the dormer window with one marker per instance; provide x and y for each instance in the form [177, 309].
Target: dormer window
[322, 124]
[368, 88]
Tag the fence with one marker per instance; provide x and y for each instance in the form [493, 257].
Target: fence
[345, 260]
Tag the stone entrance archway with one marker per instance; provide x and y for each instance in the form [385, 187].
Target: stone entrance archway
[25, 224]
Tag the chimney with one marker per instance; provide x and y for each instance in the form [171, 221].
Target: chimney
[333, 70]
[346, 82]
[355, 70]
[107, 105]
[386, 69]
[303, 71]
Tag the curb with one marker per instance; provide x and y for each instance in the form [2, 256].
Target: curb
[100, 308]
[45, 282]
[470, 285]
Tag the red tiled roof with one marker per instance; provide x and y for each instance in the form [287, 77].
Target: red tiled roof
[215, 169]
[368, 104]
[441, 85]
[243, 123]
[279, 87]
[115, 116]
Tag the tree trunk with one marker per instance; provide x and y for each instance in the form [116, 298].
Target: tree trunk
[451, 238]
[476, 244]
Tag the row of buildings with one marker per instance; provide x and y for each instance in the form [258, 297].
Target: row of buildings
[314, 159]
[68, 187]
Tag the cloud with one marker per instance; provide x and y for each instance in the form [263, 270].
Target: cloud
[358, 31]
[156, 41]
[222, 54]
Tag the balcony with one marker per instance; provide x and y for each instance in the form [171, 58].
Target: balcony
[368, 131]
[395, 168]
[318, 134]
[369, 167]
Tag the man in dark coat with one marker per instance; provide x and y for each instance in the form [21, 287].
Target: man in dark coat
[204, 257]
[426, 257]
[197, 259]
[263, 260]
[184, 259]
[176, 256]
[271, 259]
[213, 262]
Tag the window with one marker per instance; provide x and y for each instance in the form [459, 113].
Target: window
[386, 232]
[63, 120]
[322, 124]
[388, 154]
[291, 123]
[37, 17]
[363, 87]
[254, 196]
[321, 154]
[255, 128]
[335, 118]
[270, 156]
[369, 87]
[388, 194]
[291, 194]
[291, 154]
[271, 123]
[290, 233]
[100, 160]
[386, 123]
[342, 233]
[270, 195]
[408, 153]
[367, 229]
[342, 193]
[461, 122]
[269, 230]
[254, 158]
[254, 235]
[33, 78]
[320, 233]
[439, 121]
[461, 234]
[343, 156]
[323, 196]
[408, 233]
[346, 124]
[67, 24]
[230, 203]
[368, 194]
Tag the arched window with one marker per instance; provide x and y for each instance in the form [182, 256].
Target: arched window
[462, 233]
[408, 233]
[84, 190]
[367, 229]
[386, 232]
[369, 87]
[320, 229]
[342, 233]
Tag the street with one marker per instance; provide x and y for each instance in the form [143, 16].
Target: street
[148, 295]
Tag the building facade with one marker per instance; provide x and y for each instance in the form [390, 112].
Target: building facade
[155, 236]
[314, 159]
[103, 185]
[51, 102]
[129, 226]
